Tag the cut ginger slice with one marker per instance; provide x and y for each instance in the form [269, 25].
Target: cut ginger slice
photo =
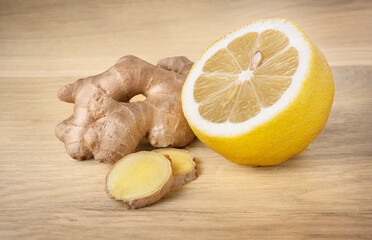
[247, 75]
[184, 165]
[140, 179]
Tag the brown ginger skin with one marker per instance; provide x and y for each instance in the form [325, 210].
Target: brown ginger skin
[185, 178]
[104, 125]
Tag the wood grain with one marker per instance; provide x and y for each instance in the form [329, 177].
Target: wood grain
[324, 193]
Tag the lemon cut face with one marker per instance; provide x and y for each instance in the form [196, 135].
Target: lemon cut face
[266, 75]
[251, 73]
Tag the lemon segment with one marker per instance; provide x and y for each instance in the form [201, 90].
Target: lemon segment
[270, 88]
[246, 104]
[242, 49]
[271, 42]
[284, 64]
[207, 86]
[221, 62]
[217, 109]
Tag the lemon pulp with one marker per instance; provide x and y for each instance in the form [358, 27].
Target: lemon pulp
[250, 74]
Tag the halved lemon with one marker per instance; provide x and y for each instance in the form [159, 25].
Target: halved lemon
[260, 94]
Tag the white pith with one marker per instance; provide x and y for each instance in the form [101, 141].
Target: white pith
[228, 129]
[244, 75]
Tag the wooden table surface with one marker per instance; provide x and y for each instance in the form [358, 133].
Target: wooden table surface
[324, 193]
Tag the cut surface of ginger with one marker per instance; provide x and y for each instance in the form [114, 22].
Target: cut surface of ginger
[183, 163]
[140, 179]
[251, 73]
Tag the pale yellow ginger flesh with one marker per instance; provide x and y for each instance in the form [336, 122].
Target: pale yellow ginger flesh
[184, 165]
[250, 74]
[140, 179]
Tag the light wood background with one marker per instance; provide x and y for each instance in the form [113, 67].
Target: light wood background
[324, 193]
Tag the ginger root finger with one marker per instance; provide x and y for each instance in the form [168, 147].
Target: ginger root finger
[104, 125]
[184, 165]
[140, 179]
[179, 64]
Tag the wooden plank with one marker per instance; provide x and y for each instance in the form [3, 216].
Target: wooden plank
[78, 38]
[323, 193]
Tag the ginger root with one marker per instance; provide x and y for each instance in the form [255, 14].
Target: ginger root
[140, 179]
[183, 163]
[106, 126]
